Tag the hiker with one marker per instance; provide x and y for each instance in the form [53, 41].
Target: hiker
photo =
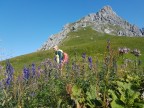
[61, 57]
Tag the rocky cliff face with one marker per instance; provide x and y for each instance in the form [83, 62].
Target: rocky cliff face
[106, 21]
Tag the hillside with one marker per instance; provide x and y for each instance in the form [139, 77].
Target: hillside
[105, 21]
[85, 40]
[101, 74]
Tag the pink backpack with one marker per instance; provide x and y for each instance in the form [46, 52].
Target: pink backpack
[65, 57]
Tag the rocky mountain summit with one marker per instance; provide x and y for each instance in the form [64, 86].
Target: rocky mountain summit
[105, 21]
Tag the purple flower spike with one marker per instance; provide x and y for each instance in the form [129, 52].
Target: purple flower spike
[8, 80]
[84, 55]
[26, 73]
[90, 59]
[9, 72]
[90, 62]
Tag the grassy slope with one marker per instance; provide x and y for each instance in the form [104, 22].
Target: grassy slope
[84, 40]
[94, 43]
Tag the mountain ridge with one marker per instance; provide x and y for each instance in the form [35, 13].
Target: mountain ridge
[105, 21]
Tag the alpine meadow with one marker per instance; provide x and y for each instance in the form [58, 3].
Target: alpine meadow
[105, 68]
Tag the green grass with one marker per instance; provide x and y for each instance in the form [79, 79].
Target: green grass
[25, 60]
[84, 40]
[92, 42]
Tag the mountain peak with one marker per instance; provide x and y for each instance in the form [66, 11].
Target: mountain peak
[105, 21]
[107, 7]
[107, 10]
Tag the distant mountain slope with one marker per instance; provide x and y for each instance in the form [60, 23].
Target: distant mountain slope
[106, 21]
[86, 40]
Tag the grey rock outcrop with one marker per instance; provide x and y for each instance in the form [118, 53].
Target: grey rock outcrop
[106, 21]
[56, 38]
[142, 30]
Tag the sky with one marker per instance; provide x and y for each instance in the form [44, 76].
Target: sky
[26, 24]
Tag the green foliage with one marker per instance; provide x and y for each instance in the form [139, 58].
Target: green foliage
[104, 82]
[115, 100]
[6, 99]
[124, 96]
[127, 95]
[92, 97]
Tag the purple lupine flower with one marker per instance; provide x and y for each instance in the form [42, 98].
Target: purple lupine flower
[9, 72]
[90, 59]
[26, 73]
[84, 55]
[9, 68]
[8, 80]
[90, 62]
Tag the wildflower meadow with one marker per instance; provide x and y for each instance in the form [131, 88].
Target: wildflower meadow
[85, 82]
